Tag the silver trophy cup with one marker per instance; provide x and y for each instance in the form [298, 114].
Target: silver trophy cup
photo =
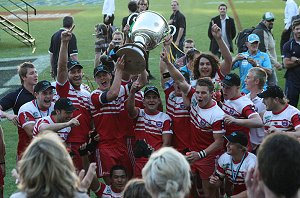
[148, 31]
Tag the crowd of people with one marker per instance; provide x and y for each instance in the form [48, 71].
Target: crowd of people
[222, 134]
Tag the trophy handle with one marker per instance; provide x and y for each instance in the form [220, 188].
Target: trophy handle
[135, 15]
[174, 29]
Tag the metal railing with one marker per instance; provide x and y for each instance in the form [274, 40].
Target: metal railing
[25, 10]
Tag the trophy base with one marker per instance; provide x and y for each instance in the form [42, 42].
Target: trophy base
[135, 61]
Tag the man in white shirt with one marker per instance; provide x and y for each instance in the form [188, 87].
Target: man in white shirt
[108, 11]
[291, 9]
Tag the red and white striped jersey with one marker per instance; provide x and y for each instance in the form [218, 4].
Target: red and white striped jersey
[81, 100]
[29, 113]
[107, 117]
[204, 123]
[107, 192]
[63, 133]
[127, 122]
[180, 116]
[285, 120]
[151, 128]
[257, 134]
[224, 168]
[240, 108]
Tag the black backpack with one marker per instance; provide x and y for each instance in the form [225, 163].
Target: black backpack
[241, 39]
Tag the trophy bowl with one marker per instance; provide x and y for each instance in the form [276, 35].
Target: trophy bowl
[147, 32]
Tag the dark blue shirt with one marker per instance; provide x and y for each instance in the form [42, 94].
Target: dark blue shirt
[292, 48]
[16, 99]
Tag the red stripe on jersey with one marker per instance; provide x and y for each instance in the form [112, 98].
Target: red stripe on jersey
[108, 118]
[81, 100]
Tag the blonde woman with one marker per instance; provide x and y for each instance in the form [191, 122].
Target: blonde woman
[167, 174]
[46, 170]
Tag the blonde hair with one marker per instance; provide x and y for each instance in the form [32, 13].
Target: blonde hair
[167, 174]
[22, 70]
[46, 169]
[259, 74]
[135, 188]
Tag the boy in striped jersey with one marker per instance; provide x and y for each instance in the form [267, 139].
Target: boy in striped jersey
[233, 165]
[151, 125]
[109, 100]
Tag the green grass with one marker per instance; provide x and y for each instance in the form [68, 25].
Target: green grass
[197, 12]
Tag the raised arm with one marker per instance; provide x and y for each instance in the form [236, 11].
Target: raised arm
[133, 111]
[114, 90]
[227, 62]
[164, 73]
[175, 73]
[142, 79]
[62, 70]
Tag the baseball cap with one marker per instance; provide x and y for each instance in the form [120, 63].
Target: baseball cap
[268, 16]
[237, 137]
[253, 38]
[232, 79]
[73, 63]
[101, 68]
[64, 104]
[42, 86]
[151, 89]
[273, 92]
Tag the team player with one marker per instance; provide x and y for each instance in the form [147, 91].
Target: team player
[118, 174]
[239, 109]
[127, 122]
[60, 121]
[151, 125]
[255, 80]
[68, 85]
[176, 109]
[32, 111]
[118, 179]
[207, 127]
[109, 100]
[234, 165]
[280, 116]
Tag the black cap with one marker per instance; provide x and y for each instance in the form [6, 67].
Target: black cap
[42, 86]
[101, 68]
[64, 104]
[151, 89]
[237, 137]
[272, 92]
[73, 63]
[232, 79]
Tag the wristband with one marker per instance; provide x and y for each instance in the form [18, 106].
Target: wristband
[2, 163]
[202, 154]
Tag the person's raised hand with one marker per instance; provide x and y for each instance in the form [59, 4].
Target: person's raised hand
[216, 31]
[120, 63]
[67, 34]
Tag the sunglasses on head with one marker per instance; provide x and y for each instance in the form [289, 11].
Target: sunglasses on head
[271, 20]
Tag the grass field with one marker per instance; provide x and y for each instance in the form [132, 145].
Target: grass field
[197, 12]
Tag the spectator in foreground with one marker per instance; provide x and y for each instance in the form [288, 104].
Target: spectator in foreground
[54, 173]
[167, 174]
[135, 188]
[278, 171]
